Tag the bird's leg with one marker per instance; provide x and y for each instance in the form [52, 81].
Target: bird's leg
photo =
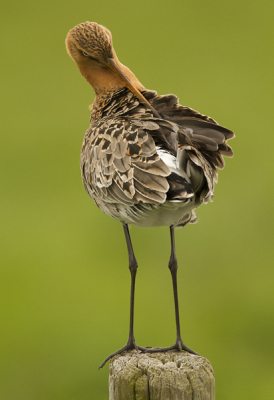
[133, 269]
[173, 266]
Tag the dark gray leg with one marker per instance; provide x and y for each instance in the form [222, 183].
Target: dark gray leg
[173, 266]
[133, 269]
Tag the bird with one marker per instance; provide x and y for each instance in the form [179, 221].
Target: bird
[145, 160]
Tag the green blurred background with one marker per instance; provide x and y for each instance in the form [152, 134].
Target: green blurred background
[64, 277]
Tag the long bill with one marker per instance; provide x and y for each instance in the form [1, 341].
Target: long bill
[112, 64]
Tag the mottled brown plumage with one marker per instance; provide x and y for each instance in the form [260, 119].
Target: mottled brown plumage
[145, 160]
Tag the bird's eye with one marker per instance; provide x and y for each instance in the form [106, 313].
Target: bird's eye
[85, 54]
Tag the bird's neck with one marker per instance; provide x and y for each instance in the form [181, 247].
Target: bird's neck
[104, 81]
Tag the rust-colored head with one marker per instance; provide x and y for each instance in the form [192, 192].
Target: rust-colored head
[90, 46]
[90, 40]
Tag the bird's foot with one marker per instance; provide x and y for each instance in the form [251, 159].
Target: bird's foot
[131, 345]
[179, 346]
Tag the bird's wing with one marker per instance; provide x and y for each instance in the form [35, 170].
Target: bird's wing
[202, 130]
[200, 139]
[120, 162]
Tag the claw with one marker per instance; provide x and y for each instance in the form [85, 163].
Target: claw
[129, 346]
[176, 346]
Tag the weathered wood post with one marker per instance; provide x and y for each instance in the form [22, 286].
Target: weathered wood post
[160, 376]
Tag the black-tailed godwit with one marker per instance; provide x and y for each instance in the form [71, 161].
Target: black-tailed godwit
[145, 160]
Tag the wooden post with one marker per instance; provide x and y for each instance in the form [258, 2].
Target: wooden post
[160, 376]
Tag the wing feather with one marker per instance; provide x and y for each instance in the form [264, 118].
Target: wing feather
[119, 159]
[122, 163]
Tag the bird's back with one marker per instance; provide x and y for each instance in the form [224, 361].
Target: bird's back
[151, 169]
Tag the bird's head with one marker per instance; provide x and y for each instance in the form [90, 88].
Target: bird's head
[90, 46]
[90, 43]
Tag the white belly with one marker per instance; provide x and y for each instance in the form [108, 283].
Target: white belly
[166, 214]
[147, 216]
